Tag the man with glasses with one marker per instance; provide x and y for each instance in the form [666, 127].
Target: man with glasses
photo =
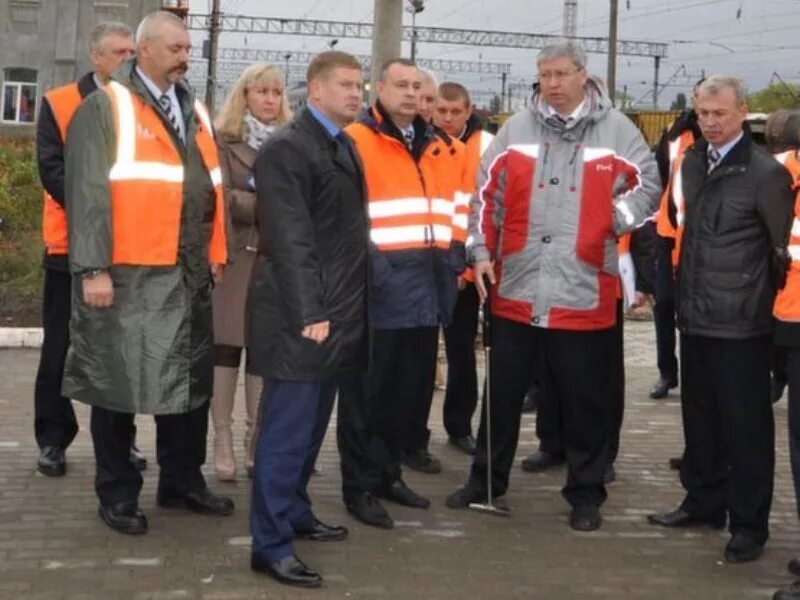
[557, 186]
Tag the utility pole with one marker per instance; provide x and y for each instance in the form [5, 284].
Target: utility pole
[213, 39]
[387, 34]
[503, 79]
[570, 18]
[611, 76]
[415, 7]
[655, 83]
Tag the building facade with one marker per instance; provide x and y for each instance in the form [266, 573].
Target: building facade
[45, 43]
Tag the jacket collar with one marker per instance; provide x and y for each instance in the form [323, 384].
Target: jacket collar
[86, 84]
[736, 160]
[687, 120]
[377, 118]
[341, 154]
[597, 106]
[238, 147]
[473, 126]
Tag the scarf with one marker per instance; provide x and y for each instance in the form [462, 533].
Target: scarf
[255, 132]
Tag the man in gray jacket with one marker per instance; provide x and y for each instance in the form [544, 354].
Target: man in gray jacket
[557, 186]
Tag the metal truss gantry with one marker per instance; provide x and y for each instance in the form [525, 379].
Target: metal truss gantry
[245, 55]
[431, 35]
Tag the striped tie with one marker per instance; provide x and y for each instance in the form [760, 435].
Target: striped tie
[166, 106]
[713, 159]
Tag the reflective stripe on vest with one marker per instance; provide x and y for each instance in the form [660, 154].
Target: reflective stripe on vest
[677, 148]
[63, 101]
[787, 302]
[146, 183]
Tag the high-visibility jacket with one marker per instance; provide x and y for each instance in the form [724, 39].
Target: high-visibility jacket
[664, 226]
[63, 101]
[147, 178]
[476, 144]
[415, 236]
[410, 203]
[787, 302]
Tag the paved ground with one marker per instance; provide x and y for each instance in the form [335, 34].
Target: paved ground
[52, 544]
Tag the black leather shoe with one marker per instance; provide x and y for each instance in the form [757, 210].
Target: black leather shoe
[610, 474]
[399, 492]
[464, 496]
[675, 463]
[585, 518]
[423, 461]
[464, 443]
[204, 502]
[52, 462]
[368, 509]
[662, 387]
[742, 548]
[138, 460]
[794, 566]
[541, 461]
[681, 518]
[290, 570]
[321, 532]
[791, 592]
[124, 517]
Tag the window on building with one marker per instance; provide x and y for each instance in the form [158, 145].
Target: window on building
[19, 95]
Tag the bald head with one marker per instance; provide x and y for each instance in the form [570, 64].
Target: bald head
[162, 48]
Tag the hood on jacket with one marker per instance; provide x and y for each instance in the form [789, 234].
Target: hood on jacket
[597, 105]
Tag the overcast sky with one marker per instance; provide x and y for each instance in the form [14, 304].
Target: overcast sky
[749, 38]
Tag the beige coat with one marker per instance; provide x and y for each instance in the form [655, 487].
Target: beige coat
[236, 160]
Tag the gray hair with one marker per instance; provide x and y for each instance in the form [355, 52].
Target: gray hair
[151, 24]
[714, 84]
[563, 49]
[105, 29]
[428, 76]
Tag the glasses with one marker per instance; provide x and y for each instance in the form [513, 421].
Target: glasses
[557, 75]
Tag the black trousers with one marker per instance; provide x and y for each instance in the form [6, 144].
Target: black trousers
[729, 461]
[54, 418]
[548, 419]
[180, 450]
[410, 371]
[664, 310]
[576, 366]
[374, 411]
[792, 372]
[461, 395]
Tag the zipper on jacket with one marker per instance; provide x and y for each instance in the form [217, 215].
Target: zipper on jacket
[544, 164]
[574, 164]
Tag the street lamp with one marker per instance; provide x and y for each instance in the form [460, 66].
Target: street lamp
[286, 57]
[414, 7]
[332, 43]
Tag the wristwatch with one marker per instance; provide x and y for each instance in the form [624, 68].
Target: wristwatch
[92, 273]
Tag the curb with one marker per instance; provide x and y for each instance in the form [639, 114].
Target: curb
[21, 337]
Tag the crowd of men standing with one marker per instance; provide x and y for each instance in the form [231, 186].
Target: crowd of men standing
[327, 249]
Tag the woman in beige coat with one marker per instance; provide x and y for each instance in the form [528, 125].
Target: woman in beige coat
[255, 107]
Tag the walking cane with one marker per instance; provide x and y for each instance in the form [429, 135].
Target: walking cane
[489, 506]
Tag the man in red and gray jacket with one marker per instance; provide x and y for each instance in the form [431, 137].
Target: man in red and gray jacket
[558, 185]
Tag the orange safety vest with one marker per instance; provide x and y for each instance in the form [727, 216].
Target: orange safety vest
[664, 228]
[64, 101]
[146, 180]
[476, 145]
[787, 302]
[411, 204]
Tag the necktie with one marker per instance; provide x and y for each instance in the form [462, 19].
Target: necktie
[166, 106]
[713, 159]
[408, 135]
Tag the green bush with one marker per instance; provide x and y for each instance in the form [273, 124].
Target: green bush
[21, 211]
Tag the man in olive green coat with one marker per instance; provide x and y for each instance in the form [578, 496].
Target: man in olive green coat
[141, 332]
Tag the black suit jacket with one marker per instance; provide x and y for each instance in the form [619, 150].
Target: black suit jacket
[737, 223]
[312, 264]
